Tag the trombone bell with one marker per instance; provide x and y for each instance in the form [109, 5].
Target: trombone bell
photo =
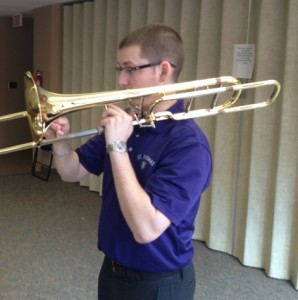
[33, 108]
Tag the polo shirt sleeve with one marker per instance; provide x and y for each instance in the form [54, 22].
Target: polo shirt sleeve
[182, 176]
[92, 153]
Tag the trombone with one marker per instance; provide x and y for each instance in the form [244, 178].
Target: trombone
[43, 107]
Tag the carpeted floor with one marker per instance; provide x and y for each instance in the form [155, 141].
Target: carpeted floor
[48, 248]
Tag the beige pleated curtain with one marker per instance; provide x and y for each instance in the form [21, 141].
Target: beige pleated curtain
[251, 209]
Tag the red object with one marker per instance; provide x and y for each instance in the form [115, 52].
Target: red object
[38, 78]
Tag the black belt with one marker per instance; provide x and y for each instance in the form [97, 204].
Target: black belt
[123, 271]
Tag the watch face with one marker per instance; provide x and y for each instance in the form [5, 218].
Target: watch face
[117, 146]
[120, 146]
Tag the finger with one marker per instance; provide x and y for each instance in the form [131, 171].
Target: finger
[115, 108]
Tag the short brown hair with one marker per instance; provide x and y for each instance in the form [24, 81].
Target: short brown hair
[158, 42]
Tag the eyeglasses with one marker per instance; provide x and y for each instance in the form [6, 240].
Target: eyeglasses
[130, 70]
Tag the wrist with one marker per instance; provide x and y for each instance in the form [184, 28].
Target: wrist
[60, 151]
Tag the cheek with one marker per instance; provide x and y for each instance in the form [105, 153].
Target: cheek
[145, 79]
[146, 82]
[141, 82]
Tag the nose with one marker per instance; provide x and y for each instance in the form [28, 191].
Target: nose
[123, 79]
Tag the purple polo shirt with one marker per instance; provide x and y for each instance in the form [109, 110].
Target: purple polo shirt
[173, 164]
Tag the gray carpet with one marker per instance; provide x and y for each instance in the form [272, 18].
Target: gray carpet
[48, 248]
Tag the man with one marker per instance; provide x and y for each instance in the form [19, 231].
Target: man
[153, 177]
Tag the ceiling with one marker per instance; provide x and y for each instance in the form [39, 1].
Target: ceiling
[26, 7]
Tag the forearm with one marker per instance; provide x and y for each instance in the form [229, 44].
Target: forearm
[66, 162]
[144, 220]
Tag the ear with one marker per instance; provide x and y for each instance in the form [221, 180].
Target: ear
[166, 71]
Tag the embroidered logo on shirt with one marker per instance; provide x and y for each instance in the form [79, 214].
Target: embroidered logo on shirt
[145, 160]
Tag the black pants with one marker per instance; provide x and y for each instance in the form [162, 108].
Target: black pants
[116, 282]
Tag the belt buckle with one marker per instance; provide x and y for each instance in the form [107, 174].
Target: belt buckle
[116, 267]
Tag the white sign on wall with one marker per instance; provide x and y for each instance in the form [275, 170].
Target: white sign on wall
[244, 59]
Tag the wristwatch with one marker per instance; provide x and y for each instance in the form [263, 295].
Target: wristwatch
[117, 146]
